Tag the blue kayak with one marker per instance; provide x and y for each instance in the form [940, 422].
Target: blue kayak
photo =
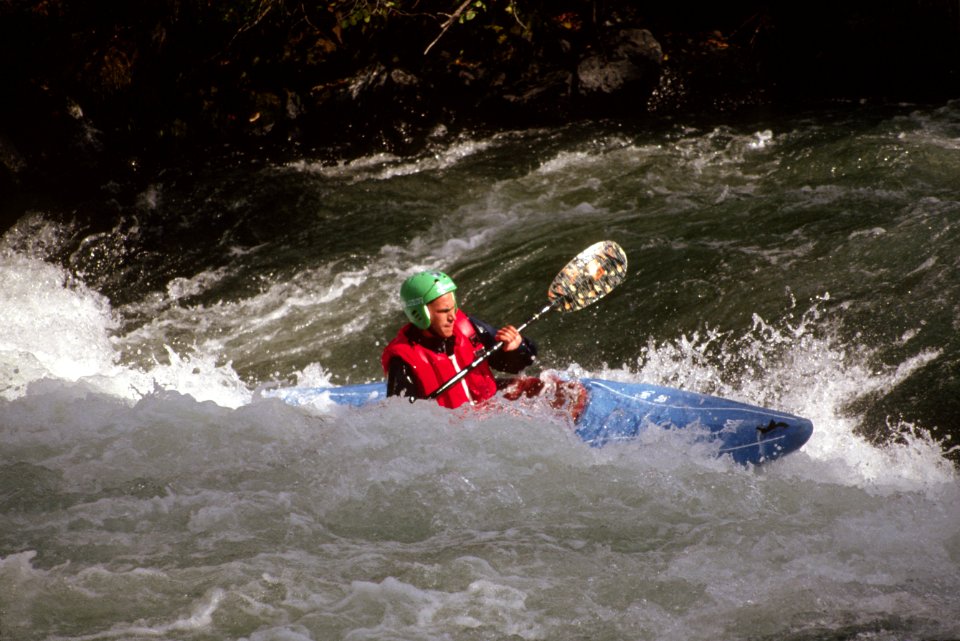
[609, 412]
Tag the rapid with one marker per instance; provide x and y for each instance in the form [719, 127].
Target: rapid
[808, 262]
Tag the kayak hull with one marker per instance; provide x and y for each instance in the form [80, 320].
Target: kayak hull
[616, 412]
[747, 433]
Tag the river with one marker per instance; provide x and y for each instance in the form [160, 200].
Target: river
[802, 261]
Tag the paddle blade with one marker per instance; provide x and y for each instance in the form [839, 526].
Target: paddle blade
[591, 275]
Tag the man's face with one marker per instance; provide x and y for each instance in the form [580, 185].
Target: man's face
[443, 311]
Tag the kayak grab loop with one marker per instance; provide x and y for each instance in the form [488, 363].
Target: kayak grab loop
[772, 425]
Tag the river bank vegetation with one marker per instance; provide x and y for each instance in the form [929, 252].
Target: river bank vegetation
[109, 89]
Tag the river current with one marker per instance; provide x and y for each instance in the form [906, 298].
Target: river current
[808, 262]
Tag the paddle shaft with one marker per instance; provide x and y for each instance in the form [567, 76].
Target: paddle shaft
[487, 353]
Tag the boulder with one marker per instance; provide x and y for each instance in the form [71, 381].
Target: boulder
[626, 67]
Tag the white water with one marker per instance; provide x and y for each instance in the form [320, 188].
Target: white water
[165, 500]
[147, 491]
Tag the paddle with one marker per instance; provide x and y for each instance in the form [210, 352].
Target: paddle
[591, 275]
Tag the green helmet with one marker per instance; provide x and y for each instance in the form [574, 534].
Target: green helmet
[420, 289]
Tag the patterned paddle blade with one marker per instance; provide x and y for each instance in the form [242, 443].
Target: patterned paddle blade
[591, 275]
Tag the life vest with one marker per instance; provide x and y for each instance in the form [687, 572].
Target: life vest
[433, 369]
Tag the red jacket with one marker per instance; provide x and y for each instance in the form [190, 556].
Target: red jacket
[434, 368]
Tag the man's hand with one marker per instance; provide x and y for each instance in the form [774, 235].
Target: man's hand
[510, 338]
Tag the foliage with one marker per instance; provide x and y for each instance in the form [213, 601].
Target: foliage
[176, 69]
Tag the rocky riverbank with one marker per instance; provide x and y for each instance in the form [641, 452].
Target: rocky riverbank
[110, 93]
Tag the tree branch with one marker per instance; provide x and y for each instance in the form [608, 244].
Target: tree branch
[446, 25]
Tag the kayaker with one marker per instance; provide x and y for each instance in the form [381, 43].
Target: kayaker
[441, 339]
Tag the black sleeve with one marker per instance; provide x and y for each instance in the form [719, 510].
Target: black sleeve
[400, 379]
[510, 362]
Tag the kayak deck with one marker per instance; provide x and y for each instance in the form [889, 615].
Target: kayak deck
[749, 434]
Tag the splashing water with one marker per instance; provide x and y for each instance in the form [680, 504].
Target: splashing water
[149, 491]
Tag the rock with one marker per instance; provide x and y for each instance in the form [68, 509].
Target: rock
[539, 96]
[10, 158]
[628, 66]
[377, 107]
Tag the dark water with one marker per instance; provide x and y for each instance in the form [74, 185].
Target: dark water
[805, 262]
